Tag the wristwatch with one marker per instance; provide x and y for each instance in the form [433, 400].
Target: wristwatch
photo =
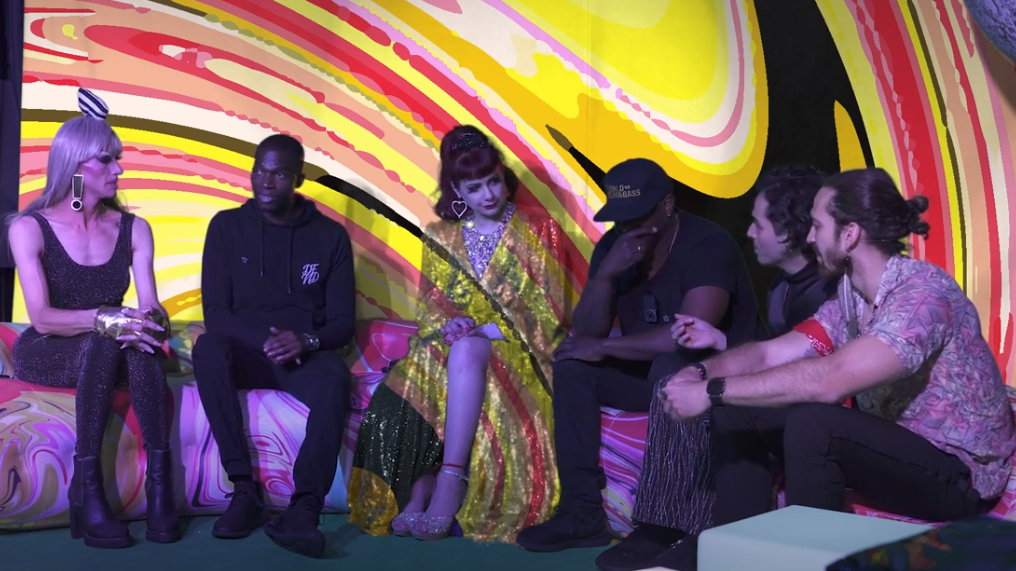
[715, 389]
[313, 343]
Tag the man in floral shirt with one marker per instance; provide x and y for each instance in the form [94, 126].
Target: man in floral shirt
[930, 433]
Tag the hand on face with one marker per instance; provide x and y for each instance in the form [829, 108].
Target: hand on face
[630, 248]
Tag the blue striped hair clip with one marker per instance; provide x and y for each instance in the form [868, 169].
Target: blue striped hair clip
[91, 104]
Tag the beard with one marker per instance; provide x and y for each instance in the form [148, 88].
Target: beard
[832, 263]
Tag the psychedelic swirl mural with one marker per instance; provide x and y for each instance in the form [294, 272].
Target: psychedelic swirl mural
[710, 89]
[370, 87]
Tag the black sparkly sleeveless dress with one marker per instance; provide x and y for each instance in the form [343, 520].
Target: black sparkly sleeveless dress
[89, 362]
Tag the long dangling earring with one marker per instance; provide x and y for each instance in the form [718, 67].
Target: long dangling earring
[77, 192]
[455, 207]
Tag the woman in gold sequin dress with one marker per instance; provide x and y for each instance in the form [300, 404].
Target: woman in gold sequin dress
[459, 435]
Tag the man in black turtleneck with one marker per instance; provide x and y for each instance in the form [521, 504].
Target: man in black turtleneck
[278, 297]
[671, 504]
[779, 230]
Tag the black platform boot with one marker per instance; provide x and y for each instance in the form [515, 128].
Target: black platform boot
[91, 516]
[163, 525]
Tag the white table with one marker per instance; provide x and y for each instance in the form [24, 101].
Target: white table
[795, 538]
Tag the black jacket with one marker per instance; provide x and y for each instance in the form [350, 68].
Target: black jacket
[793, 298]
[256, 275]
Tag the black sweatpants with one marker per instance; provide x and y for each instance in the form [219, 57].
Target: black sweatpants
[223, 365]
[580, 389]
[827, 449]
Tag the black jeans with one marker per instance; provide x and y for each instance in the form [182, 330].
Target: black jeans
[580, 389]
[223, 365]
[827, 449]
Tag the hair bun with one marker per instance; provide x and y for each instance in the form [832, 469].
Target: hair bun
[91, 104]
[916, 206]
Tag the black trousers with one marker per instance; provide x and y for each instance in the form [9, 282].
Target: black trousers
[580, 389]
[223, 365]
[827, 449]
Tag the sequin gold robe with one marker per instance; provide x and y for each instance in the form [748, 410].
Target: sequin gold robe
[512, 470]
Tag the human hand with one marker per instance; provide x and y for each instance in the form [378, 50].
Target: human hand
[457, 328]
[630, 248]
[135, 328]
[587, 349]
[283, 346]
[693, 333]
[684, 400]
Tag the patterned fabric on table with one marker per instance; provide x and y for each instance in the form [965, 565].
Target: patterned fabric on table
[975, 544]
[512, 468]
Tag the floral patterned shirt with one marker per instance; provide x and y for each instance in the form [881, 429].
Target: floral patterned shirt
[954, 395]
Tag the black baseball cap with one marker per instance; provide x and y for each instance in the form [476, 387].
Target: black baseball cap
[633, 188]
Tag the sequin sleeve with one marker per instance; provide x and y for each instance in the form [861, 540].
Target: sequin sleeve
[434, 309]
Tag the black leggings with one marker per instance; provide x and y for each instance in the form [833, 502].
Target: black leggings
[92, 364]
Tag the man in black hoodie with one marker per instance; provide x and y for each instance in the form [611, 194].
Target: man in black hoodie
[278, 296]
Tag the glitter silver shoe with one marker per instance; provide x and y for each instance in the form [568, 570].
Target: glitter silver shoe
[432, 528]
[403, 523]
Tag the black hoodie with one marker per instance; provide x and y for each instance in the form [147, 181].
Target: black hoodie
[299, 277]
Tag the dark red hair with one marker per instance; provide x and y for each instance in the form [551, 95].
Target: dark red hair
[468, 154]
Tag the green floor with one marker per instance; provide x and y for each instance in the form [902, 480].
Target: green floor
[347, 549]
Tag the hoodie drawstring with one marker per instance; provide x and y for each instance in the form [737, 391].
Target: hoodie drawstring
[262, 248]
[289, 262]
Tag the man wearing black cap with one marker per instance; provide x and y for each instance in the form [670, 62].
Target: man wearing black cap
[655, 262]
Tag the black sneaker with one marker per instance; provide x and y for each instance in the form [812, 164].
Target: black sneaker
[566, 531]
[682, 556]
[638, 551]
[296, 529]
[246, 512]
